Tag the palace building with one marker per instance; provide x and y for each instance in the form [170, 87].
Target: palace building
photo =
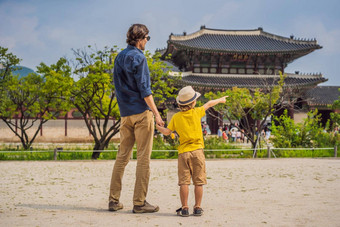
[214, 59]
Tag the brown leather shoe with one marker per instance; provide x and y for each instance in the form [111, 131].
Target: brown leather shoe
[114, 206]
[146, 208]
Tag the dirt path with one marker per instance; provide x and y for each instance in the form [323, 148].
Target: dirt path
[248, 192]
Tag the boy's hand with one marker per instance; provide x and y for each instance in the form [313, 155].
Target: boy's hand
[164, 131]
[223, 99]
[158, 127]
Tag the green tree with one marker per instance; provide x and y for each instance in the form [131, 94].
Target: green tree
[284, 131]
[94, 95]
[35, 99]
[7, 61]
[251, 108]
[335, 117]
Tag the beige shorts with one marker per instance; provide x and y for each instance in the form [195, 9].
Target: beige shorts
[192, 165]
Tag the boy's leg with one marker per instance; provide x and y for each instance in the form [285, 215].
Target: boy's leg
[184, 177]
[199, 175]
[198, 195]
[184, 194]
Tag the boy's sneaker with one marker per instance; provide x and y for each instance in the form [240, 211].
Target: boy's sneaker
[146, 208]
[198, 211]
[114, 206]
[183, 212]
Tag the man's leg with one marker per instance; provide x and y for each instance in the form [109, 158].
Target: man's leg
[127, 140]
[144, 130]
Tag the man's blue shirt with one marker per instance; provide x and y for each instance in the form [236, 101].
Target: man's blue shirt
[132, 81]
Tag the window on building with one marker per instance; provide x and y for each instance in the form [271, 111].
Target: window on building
[224, 70]
[250, 71]
[233, 71]
[197, 70]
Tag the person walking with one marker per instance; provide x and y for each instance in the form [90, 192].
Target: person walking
[219, 132]
[191, 159]
[137, 110]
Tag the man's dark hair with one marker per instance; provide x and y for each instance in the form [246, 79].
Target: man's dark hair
[135, 33]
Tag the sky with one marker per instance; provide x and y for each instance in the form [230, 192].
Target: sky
[45, 30]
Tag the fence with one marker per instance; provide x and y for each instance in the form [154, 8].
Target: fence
[270, 151]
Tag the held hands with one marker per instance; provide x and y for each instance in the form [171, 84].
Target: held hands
[158, 127]
[164, 131]
[159, 121]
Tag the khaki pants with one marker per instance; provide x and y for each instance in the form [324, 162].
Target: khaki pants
[137, 128]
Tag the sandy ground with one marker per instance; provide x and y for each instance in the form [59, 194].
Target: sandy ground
[248, 192]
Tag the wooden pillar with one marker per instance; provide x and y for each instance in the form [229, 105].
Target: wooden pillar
[41, 128]
[66, 124]
[291, 111]
[219, 64]
[89, 120]
[191, 60]
[213, 121]
[16, 123]
[55, 154]
[335, 151]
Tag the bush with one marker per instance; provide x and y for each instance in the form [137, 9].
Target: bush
[310, 133]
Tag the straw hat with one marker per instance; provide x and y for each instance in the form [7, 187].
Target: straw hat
[187, 95]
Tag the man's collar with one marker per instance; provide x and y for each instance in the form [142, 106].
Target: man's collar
[133, 47]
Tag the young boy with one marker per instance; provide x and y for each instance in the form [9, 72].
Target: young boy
[191, 159]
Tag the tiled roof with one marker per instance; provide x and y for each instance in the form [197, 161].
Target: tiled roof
[174, 68]
[236, 41]
[248, 81]
[323, 95]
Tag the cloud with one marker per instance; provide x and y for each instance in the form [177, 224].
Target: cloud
[18, 25]
[328, 38]
[221, 15]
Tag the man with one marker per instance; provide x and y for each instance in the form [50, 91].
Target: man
[137, 109]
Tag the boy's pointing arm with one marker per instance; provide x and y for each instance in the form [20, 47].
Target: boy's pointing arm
[214, 102]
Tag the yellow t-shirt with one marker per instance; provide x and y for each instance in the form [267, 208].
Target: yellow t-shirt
[188, 126]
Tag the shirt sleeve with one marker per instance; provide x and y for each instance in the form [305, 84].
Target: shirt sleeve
[171, 125]
[201, 111]
[142, 75]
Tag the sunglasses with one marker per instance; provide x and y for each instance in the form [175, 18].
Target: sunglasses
[147, 38]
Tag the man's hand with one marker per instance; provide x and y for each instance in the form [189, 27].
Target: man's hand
[151, 103]
[159, 121]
